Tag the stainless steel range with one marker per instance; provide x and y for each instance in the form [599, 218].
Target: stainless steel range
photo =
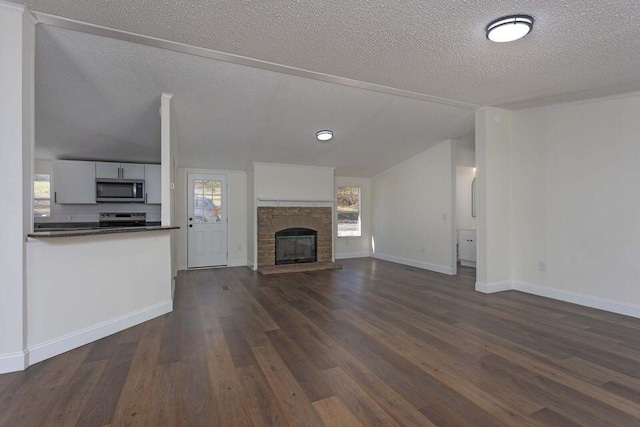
[123, 219]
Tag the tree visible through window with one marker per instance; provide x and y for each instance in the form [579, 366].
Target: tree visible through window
[349, 212]
[41, 195]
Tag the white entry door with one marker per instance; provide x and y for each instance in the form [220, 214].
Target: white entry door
[207, 220]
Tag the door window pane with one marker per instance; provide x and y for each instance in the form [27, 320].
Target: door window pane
[349, 212]
[207, 201]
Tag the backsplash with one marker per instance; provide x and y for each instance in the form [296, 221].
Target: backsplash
[89, 213]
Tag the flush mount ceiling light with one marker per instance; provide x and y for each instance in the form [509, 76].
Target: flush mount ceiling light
[509, 28]
[324, 135]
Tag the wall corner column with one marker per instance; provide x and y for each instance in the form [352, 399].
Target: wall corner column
[17, 50]
[493, 158]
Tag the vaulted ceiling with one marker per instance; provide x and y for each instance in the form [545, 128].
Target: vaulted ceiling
[97, 97]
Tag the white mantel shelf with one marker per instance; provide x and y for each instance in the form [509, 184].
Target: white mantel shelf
[261, 199]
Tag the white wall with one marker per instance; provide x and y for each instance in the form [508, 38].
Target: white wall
[413, 211]
[493, 158]
[293, 182]
[17, 46]
[465, 160]
[167, 155]
[173, 174]
[251, 218]
[464, 180]
[575, 172]
[118, 280]
[465, 153]
[353, 247]
[237, 208]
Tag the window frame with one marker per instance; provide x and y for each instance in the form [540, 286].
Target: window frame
[359, 236]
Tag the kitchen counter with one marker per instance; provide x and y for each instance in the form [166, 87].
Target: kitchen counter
[54, 226]
[94, 231]
[89, 285]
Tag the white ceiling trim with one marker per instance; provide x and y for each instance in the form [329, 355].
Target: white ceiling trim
[98, 30]
[578, 102]
[290, 165]
[10, 7]
[18, 9]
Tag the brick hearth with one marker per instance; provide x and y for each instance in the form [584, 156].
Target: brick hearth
[274, 219]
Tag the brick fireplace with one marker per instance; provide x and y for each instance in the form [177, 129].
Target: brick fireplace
[272, 220]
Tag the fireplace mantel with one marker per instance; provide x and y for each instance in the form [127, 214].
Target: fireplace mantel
[263, 199]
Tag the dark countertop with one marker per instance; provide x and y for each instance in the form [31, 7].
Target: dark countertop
[54, 226]
[76, 232]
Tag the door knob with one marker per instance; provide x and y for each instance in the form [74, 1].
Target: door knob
[190, 219]
[190, 225]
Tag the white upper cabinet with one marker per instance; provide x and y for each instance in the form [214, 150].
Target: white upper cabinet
[74, 182]
[107, 170]
[113, 170]
[132, 171]
[152, 183]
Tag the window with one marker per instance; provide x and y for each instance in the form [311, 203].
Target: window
[207, 200]
[41, 195]
[349, 212]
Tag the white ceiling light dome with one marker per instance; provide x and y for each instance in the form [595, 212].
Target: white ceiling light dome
[509, 28]
[324, 135]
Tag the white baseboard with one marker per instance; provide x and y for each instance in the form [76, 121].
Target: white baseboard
[12, 362]
[618, 307]
[237, 263]
[346, 255]
[68, 342]
[468, 263]
[413, 263]
[612, 306]
[489, 288]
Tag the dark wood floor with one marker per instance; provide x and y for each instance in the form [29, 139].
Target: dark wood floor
[374, 344]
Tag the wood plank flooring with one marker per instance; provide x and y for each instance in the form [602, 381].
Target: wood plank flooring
[375, 343]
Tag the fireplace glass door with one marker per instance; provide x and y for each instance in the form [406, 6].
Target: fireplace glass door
[296, 245]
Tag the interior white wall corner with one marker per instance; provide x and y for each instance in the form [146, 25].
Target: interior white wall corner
[17, 49]
[168, 152]
[575, 206]
[493, 159]
[252, 237]
[413, 218]
[166, 157]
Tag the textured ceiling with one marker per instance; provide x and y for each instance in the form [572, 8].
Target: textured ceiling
[98, 98]
[433, 47]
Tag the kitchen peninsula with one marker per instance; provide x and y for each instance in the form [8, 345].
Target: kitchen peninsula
[88, 283]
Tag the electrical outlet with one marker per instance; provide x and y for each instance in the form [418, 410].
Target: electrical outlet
[542, 266]
[444, 216]
[423, 249]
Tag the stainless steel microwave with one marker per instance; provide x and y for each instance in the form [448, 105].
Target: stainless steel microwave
[120, 190]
